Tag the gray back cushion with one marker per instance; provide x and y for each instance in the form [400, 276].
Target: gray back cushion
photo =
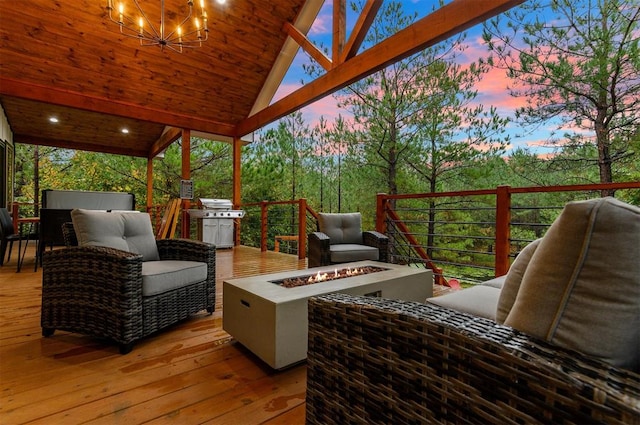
[341, 228]
[127, 231]
[581, 289]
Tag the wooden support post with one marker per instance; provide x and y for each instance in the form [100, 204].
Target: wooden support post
[149, 184]
[339, 30]
[263, 226]
[15, 213]
[186, 175]
[237, 185]
[381, 214]
[280, 238]
[302, 229]
[503, 229]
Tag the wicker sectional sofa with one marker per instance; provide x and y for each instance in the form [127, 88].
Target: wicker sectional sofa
[556, 340]
[376, 361]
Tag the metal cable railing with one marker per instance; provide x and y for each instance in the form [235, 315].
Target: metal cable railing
[473, 236]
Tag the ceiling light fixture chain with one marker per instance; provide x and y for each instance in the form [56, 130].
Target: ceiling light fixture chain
[191, 32]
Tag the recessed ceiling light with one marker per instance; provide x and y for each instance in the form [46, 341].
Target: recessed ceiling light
[53, 119]
[125, 130]
[222, 1]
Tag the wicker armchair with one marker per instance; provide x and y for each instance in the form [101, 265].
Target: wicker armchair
[98, 291]
[340, 239]
[372, 360]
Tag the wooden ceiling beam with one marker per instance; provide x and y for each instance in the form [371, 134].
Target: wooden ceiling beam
[364, 22]
[167, 138]
[22, 89]
[303, 22]
[66, 144]
[441, 24]
[339, 29]
[307, 45]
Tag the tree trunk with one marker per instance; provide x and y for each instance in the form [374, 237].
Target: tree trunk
[604, 155]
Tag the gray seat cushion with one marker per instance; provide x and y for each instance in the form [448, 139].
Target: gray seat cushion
[497, 282]
[346, 253]
[163, 276]
[480, 300]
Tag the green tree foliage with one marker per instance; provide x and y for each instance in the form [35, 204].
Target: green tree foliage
[65, 169]
[415, 121]
[577, 64]
[275, 166]
[211, 170]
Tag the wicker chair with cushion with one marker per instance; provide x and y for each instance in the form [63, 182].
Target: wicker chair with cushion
[120, 283]
[557, 342]
[340, 239]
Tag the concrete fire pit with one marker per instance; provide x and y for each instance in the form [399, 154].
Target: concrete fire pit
[271, 320]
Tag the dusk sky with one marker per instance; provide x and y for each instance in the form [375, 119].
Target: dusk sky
[492, 89]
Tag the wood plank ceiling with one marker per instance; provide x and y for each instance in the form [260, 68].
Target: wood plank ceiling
[66, 59]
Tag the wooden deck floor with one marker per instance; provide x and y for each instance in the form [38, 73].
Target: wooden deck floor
[192, 373]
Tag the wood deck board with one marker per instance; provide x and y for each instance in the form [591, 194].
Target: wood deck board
[191, 373]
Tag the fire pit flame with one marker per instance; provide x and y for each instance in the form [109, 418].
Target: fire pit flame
[326, 276]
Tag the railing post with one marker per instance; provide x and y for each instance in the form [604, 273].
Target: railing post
[381, 222]
[503, 229]
[14, 216]
[263, 226]
[302, 229]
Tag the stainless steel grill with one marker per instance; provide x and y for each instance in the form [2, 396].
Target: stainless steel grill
[215, 220]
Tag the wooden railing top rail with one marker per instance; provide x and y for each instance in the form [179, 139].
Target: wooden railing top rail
[530, 189]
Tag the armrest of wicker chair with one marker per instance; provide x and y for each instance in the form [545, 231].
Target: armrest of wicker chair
[186, 250]
[378, 240]
[372, 360]
[191, 250]
[319, 254]
[78, 298]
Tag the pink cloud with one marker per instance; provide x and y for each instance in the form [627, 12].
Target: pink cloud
[324, 21]
[326, 107]
[285, 89]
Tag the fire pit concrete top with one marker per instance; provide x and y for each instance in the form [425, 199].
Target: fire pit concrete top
[263, 286]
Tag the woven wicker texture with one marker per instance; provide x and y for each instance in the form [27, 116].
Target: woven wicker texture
[372, 360]
[97, 291]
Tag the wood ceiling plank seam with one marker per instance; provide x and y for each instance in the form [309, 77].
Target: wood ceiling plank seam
[111, 107]
[143, 66]
[125, 150]
[29, 113]
[177, 99]
[245, 45]
[231, 94]
[62, 49]
[236, 101]
[271, 14]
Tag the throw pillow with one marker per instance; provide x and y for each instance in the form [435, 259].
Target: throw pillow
[513, 280]
[581, 289]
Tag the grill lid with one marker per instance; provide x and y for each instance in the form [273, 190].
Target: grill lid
[215, 204]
